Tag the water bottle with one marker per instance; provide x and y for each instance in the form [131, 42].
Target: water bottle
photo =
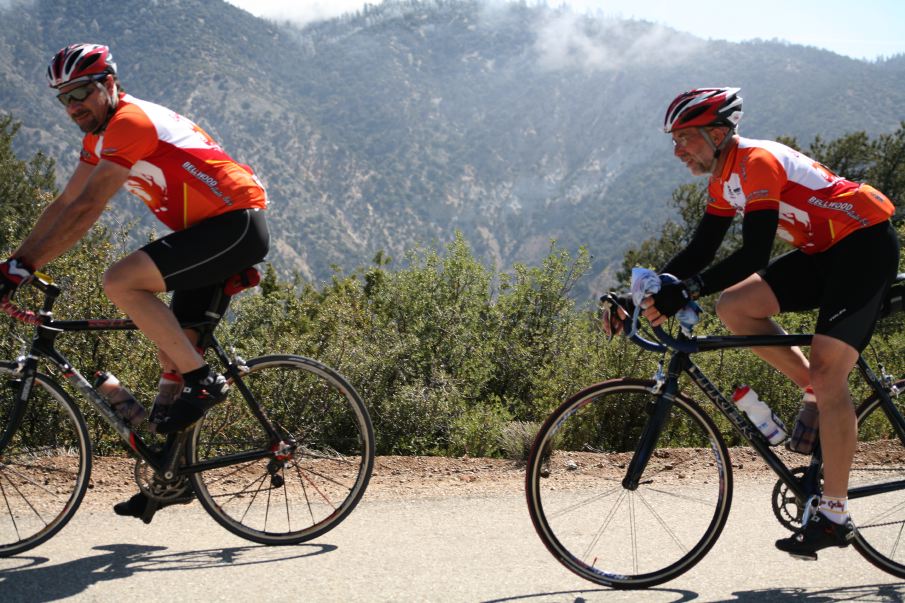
[120, 398]
[760, 414]
[804, 436]
[168, 389]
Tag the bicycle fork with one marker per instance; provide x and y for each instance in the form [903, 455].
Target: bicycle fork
[659, 411]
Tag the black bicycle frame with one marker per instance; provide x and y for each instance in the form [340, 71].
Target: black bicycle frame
[680, 362]
[166, 462]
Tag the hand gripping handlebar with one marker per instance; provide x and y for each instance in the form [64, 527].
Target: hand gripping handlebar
[45, 284]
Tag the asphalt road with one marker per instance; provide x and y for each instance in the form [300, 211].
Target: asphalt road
[452, 549]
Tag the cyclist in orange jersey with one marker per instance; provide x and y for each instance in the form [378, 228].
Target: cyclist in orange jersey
[845, 258]
[214, 205]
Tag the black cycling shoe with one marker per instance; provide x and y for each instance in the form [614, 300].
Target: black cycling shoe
[194, 401]
[137, 506]
[818, 533]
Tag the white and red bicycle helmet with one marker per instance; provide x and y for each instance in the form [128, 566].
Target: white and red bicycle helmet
[704, 107]
[80, 63]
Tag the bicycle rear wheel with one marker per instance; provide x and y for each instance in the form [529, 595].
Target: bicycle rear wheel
[879, 460]
[292, 493]
[593, 524]
[44, 463]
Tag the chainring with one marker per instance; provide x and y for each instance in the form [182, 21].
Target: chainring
[787, 509]
[156, 488]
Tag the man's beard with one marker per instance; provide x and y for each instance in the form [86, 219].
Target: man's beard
[697, 168]
[91, 124]
[87, 125]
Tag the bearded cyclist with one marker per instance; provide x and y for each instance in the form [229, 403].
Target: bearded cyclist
[845, 259]
[214, 205]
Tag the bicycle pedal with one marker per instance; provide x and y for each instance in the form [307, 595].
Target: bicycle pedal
[804, 557]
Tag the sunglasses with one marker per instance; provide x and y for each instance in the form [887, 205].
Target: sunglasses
[77, 94]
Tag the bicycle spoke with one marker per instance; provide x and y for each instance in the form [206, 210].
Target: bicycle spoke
[895, 547]
[305, 494]
[12, 516]
[634, 535]
[286, 501]
[686, 497]
[231, 495]
[650, 532]
[29, 480]
[320, 474]
[663, 523]
[874, 520]
[44, 466]
[25, 499]
[214, 479]
[315, 481]
[605, 524]
[585, 502]
[879, 517]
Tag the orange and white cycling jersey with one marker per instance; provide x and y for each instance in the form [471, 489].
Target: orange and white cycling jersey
[179, 171]
[816, 207]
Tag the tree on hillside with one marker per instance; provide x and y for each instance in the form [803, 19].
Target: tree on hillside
[25, 187]
[879, 162]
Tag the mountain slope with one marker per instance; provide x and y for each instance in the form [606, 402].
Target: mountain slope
[397, 125]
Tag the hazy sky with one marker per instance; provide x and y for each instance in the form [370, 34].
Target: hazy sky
[866, 29]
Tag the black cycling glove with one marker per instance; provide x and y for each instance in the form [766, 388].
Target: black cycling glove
[13, 274]
[671, 298]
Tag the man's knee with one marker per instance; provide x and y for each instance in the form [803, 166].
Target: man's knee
[113, 280]
[135, 272]
[829, 369]
[733, 307]
[751, 299]
[726, 306]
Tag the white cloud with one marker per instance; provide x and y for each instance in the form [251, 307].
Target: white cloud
[866, 29]
[7, 4]
[569, 40]
[562, 42]
[299, 12]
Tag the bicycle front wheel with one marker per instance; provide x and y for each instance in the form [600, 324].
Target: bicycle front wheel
[877, 486]
[292, 493]
[45, 461]
[627, 537]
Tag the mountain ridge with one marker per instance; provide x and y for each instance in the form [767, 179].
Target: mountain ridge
[397, 125]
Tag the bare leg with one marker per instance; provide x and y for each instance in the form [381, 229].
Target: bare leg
[831, 362]
[745, 308]
[167, 365]
[132, 284]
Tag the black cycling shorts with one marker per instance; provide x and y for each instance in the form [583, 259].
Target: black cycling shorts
[196, 262]
[847, 282]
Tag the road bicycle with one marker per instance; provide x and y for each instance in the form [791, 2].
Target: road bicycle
[283, 460]
[629, 481]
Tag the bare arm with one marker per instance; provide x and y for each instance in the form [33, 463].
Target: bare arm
[51, 212]
[66, 220]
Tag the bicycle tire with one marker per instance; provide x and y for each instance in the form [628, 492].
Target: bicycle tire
[611, 535]
[45, 462]
[325, 477]
[879, 458]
